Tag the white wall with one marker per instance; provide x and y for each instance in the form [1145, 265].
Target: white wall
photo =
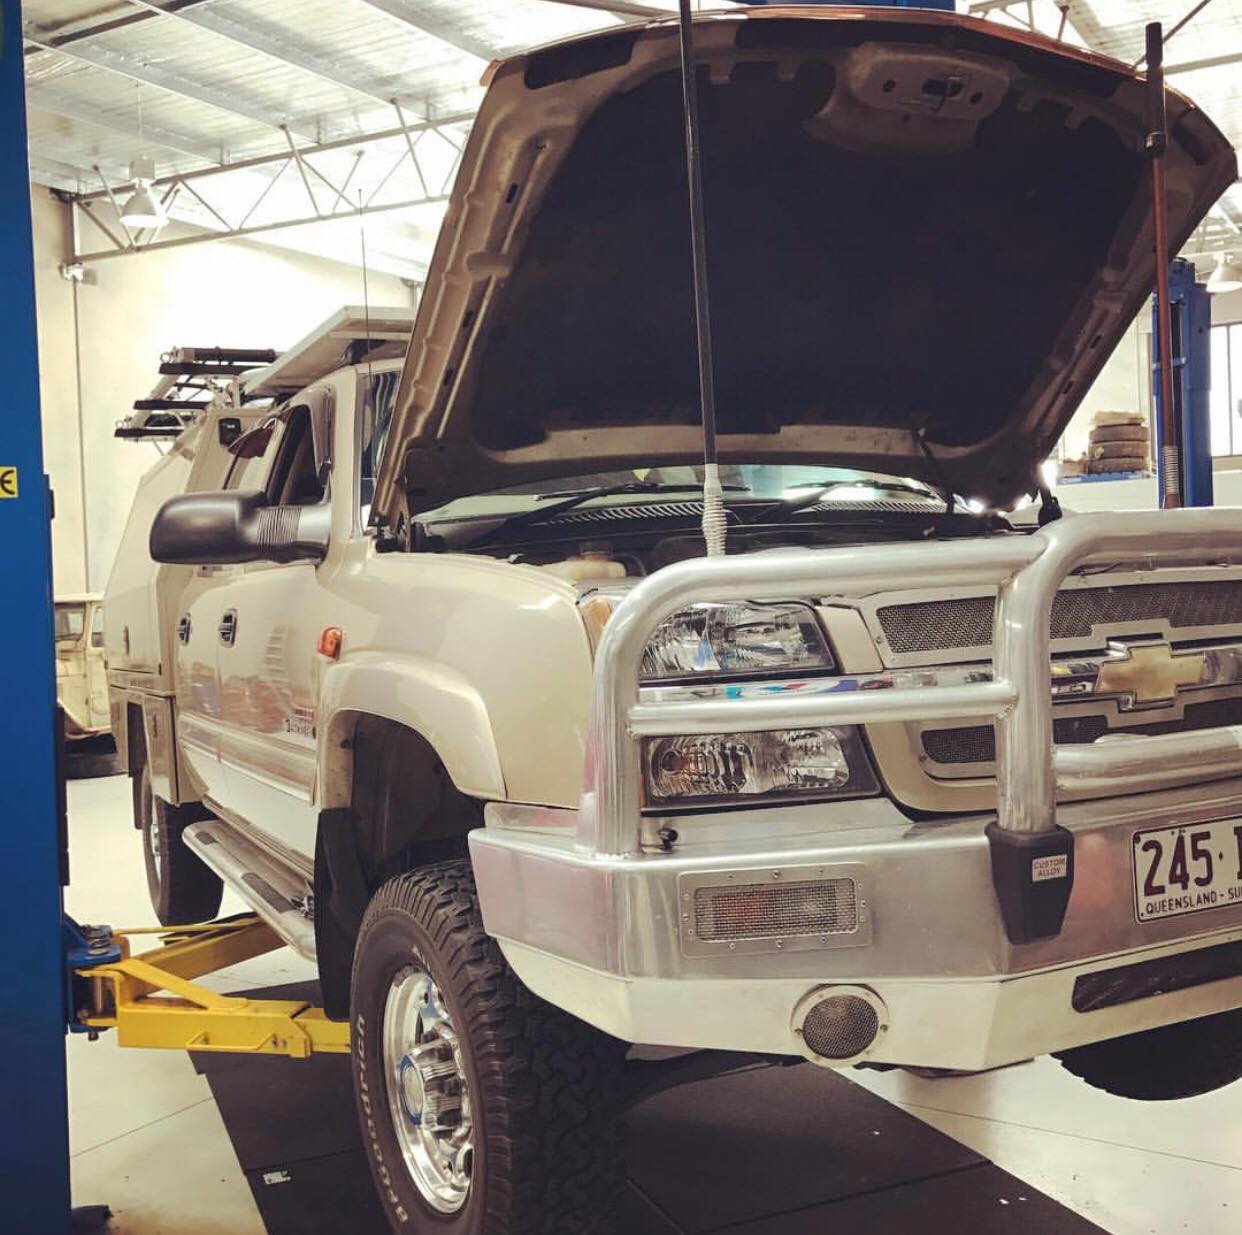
[226, 293]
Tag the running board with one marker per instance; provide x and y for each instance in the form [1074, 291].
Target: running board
[275, 892]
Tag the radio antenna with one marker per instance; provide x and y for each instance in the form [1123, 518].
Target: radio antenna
[714, 522]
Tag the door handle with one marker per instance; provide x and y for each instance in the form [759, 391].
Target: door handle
[184, 626]
[228, 627]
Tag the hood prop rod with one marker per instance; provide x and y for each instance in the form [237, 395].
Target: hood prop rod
[1157, 144]
[714, 518]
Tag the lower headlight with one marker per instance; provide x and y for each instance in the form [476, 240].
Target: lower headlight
[784, 763]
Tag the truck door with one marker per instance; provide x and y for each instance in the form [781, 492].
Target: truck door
[198, 622]
[268, 661]
[201, 627]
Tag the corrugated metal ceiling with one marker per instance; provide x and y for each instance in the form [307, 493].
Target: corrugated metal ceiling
[212, 81]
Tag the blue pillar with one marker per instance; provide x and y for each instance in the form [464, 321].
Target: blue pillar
[34, 1149]
[1192, 381]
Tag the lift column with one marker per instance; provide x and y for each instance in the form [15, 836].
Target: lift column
[1191, 320]
[34, 1140]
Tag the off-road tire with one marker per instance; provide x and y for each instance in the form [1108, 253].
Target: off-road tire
[1158, 1065]
[182, 889]
[545, 1087]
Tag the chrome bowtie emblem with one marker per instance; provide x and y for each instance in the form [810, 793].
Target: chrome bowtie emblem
[1148, 673]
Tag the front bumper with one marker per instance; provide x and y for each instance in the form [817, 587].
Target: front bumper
[605, 938]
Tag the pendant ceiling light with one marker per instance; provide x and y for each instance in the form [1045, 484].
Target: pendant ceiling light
[142, 208]
[1226, 275]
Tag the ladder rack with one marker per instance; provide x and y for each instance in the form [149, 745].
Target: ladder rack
[191, 379]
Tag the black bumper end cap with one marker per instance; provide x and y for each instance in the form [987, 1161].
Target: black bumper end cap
[1033, 875]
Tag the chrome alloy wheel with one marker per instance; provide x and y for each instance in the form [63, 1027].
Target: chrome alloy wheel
[427, 1091]
[154, 840]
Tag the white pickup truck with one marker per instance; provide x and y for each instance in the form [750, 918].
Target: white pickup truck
[431, 668]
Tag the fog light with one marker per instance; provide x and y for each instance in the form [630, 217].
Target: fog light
[838, 1025]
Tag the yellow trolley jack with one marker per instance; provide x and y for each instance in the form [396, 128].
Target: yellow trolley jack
[152, 999]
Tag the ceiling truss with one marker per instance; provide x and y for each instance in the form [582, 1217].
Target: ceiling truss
[325, 196]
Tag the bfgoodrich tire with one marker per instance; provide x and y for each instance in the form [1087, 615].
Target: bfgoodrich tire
[182, 889]
[1175, 1061]
[484, 1110]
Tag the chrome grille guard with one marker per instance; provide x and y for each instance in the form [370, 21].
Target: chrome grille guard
[1028, 570]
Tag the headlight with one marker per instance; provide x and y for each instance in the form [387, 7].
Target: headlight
[736, 639]
[788, 763]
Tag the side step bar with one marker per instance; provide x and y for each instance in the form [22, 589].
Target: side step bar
[275, 892]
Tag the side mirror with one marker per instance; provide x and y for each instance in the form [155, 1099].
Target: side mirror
[222, 529]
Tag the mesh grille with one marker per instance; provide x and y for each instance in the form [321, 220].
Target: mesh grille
[694, 510]
[930, 625]
[642, 510]
[977, 743]
[895, 506]
[840, 1027]
[764, 911]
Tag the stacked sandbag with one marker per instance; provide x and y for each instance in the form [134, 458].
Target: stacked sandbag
[1119, 442]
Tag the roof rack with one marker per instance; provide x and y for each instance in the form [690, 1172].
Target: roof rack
[349, 336]
[191, 379]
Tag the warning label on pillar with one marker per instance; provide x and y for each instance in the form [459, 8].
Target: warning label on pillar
[8, 481]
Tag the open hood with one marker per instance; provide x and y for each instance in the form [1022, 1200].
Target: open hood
[926, 234]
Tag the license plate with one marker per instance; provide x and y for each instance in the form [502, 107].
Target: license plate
[1187, 869]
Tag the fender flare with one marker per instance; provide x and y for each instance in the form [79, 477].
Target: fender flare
[435, 701]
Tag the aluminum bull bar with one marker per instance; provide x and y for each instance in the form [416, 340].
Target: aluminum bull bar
[1032, 857]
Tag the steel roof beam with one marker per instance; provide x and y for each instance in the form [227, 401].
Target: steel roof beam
[178, 242]
[150, 75]
[340, 143]
[1209, 62]
[245, 35]
[446, 31]
[89, 26]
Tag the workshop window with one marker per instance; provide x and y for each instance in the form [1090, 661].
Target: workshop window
[1226, 399]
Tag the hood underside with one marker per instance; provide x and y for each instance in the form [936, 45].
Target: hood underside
[925, 236]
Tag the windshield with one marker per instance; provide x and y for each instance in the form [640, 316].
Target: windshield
[744, 482]
[70, 622]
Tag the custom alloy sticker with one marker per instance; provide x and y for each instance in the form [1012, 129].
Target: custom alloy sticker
[8, 481]
[1055, 866]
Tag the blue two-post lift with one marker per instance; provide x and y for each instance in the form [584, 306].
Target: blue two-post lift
[34, 1139]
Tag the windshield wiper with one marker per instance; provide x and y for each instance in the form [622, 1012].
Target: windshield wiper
[575, 497]
[820, 491]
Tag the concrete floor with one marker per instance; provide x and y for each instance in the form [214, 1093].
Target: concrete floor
[146, 1138]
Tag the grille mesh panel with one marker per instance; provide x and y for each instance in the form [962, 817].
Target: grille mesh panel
[840, 1027]
[977, 743]
[930, 625]
[770, 911]
[692, 510]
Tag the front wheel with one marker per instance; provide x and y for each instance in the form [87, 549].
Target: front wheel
[484, 1110]
[1157, 1065]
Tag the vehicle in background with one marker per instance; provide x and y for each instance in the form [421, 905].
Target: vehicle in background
[81, 674]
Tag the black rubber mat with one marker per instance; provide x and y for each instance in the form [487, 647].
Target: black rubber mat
[763, 1151]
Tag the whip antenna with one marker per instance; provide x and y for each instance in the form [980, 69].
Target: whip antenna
[713, 498]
